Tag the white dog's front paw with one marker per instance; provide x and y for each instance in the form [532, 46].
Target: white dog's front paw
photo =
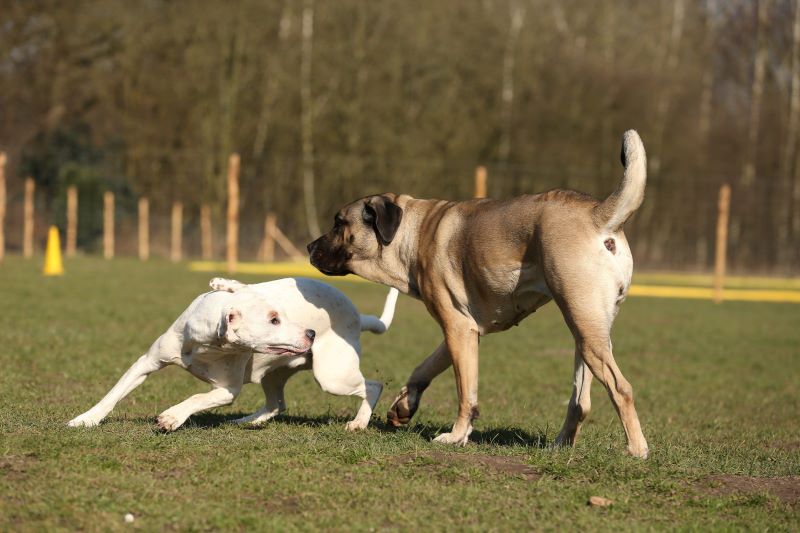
[84, 420]
[356, 425]
[169, 422]
[457, 439]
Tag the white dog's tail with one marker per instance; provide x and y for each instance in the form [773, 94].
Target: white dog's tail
[612, 213]
[380, 325]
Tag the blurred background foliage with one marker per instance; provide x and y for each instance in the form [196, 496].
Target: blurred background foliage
[355, 97]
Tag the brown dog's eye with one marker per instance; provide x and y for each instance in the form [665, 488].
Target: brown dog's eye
[275, 321]
[368, 215]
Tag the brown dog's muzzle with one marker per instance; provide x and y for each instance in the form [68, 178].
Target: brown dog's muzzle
[327, 257]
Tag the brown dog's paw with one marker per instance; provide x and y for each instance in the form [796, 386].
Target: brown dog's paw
[401, 410]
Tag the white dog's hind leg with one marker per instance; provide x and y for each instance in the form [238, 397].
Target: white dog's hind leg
[134, 377]
[273, 384]
[373, 391]
[336, 369]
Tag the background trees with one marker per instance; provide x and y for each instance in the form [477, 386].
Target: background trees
[151, 97]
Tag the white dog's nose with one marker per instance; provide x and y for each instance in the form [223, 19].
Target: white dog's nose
[310, 334]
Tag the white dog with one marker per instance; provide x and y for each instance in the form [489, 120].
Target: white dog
[259, 333]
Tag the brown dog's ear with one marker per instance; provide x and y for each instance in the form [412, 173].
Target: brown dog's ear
[385, 217]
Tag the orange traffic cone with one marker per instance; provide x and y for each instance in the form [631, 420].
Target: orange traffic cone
[52, 256]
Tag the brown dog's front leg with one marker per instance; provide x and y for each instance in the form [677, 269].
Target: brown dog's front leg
[462, 343]
[407, 401]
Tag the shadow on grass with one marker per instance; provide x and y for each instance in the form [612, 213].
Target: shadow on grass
[502, 436]
[214, 420]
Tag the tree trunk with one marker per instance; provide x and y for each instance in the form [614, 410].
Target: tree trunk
[355, 108]
[271, 88]
[517, 16]
[229, 92]
[3, 160]
[608, 137]
[756, 93]
[661, 231]
[704, 132]
[662, 107]
[307, 118]
[786, 218]
[747, 178]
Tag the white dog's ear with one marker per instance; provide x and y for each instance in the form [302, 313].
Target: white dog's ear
[230, 320]
[233, 318]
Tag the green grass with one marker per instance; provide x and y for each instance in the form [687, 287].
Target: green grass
[717, 390]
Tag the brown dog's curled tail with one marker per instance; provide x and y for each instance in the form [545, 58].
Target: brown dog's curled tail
[380, 325]
[612, 213]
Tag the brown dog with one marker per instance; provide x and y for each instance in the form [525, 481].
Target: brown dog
[482, 266]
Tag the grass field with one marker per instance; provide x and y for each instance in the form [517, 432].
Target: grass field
[717, 389]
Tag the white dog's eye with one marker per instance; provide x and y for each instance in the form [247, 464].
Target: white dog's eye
[275, 321]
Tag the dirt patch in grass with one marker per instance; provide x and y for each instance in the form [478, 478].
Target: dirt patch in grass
[789, 446]
[288, 505]
[496, 464]
[785, 488]
[15, 467]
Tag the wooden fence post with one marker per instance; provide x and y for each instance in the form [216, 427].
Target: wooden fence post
[723, 211]
[267, 254]
[72, 220]
[27, 228]
[176, 251]
[108, 225]
[206, 244]
[2, 205]
[480, 182]
[233, 212]
[144, 229]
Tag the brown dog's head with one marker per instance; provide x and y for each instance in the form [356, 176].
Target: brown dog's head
[360, 232]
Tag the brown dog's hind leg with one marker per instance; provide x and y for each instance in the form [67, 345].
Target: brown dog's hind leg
[407, 400]
[590, 321]
[597, 354]
[579, 404]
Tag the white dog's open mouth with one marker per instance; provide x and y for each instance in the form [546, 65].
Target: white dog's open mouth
[282, 350]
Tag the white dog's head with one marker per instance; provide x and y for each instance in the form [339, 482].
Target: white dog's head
[252, 322]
